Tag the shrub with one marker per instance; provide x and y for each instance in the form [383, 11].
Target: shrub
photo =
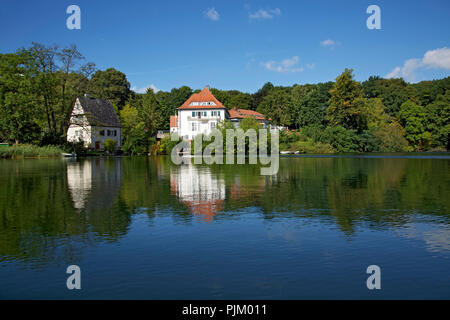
[310, 146]
[110, 145]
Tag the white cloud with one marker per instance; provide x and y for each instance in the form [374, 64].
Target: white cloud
[310, 66]
[212, 14]
[265, 14]
[144, 90]
[433, 59]
[329, 43]
[438, 59]
[395, 73]
[284, 66]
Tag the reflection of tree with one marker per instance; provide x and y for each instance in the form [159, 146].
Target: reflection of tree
[35, 209]
[50, 209]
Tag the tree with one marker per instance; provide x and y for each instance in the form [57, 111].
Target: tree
[258, 97]
[438, 121]
[278, 106]
[413, 118]
[347, 104]
[111, 85]
[18, 98]
[149, 112]
[310, 103]
[129, 118]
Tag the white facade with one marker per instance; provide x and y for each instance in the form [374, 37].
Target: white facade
[192, 122]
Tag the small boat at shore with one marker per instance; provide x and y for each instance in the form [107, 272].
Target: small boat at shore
[69, 155]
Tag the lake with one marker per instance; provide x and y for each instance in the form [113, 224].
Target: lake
[143, 228]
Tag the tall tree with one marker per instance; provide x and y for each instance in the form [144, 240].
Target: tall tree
[347, 103]
[278, 106]
[413, 118]
[111, 85]
[18, 98]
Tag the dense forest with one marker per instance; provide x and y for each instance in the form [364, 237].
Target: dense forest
[39, 84]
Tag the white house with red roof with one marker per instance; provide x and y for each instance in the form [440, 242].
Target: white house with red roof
[202, 112]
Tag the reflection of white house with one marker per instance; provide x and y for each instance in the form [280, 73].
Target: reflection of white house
[94, 183]
[93, 121]
[202, 112]
[199, 189]
[79, 181]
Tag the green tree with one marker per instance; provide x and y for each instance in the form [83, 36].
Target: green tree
[111, 85]
[129, 118]
[438, 121]
[259, 96]
[17, 98]
[413, 118]
[347, 104]
[278, 106]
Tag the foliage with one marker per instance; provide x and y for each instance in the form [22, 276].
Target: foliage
[110, 145]
[167, 145]
[111, 85]
[39, 84]
[347, 104]
[18, 99]
[29, 151]
[413, 118]
[138, 141]
[278, 105]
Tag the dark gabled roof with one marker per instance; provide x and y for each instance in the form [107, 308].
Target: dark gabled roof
[99, 112]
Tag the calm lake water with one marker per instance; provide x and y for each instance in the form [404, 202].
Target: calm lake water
[144, 228]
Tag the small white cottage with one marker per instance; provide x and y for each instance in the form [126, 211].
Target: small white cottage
[93, 121]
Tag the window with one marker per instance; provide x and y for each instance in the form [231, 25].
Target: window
[102, 132]
[108, 132]
[213, 125]
[218, 113]
[193, 113]
[115, 133]
[204, 113]
[193, 126]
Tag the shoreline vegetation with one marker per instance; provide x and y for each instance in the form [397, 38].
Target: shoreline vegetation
[30, 151]
[39, 84]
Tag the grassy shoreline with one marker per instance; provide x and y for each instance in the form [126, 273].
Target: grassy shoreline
[21, 151]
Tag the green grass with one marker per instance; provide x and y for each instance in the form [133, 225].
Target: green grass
[29, 151]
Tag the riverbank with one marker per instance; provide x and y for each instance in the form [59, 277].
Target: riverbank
[30, 151]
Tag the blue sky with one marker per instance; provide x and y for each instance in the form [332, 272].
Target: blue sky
[238, 44]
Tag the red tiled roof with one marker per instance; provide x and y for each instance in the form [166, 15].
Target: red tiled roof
[203, 96]
[173, 121]
[243, 113]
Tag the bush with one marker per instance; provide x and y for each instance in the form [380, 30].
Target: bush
[167, 145]
[110, 145]
[310, 146]
[343, 140]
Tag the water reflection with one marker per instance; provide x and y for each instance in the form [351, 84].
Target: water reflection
[94, 183]
[196, 187]
[51, 205]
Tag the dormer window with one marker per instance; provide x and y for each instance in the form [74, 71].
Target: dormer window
[202, 104]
